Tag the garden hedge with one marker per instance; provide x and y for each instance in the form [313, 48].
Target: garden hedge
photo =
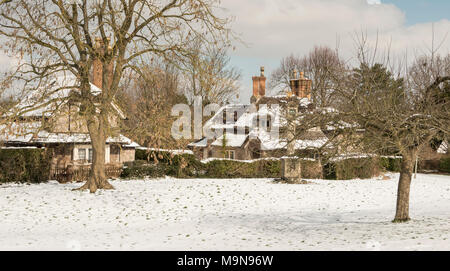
[188, 166]
[353, 168]
[444, 165]
[24, 165]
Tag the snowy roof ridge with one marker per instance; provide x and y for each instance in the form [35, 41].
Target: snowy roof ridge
[65, 84]
[30, 133]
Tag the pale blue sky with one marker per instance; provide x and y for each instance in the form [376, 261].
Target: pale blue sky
[276, 28]
[421, 11]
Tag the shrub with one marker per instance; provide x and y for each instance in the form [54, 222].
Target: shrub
[352, 168]
[141, 155]
[24, 165]
[429, 165]
[329, 171]
[311, 169]
[268, 168]
[390, 164]
[444, 165]
[187, 166]
[141, 170]
[231, 169]
[184, 166]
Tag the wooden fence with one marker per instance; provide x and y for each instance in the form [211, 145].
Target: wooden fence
[81, 174]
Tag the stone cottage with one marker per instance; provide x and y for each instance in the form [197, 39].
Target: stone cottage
[260, 129]
[58, 127]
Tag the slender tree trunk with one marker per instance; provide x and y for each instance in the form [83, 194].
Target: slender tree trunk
[404, 187]
[97, 178]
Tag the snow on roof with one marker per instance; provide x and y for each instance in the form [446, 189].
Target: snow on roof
[246, 118]
[269, 142]
[302, 101]
[231, 140]
[340, 125]
[443, 148]
[30, 132]
[201, 143]
[45, 100]
[132, 145]
[166, 150]
[217, 119]
[19, 132]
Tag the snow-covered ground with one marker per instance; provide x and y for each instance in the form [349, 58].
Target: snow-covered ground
[255, 214]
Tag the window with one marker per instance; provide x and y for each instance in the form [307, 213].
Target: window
[224, 116]
[229, 154]
[90, 156]
[292, 111]
[81, 154]
[235, 130]
[235, 116]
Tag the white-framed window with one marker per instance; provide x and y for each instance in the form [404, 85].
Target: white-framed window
[81, 154]
[229, 154]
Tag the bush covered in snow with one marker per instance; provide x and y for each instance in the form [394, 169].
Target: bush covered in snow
[24, 165]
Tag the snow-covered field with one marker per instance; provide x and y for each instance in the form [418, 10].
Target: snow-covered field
[255, 214]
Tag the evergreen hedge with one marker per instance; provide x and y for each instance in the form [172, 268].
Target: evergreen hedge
[445, 165]
[24, 165]
[188, 166]
[391, 164]
[353, 168]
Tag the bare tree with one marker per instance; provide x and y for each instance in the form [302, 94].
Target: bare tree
[280, 78]
[63, 38]
[149, 102]
[207, 73]
[322, 65]
[392, 116]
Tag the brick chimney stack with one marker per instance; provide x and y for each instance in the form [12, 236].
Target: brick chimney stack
[97, 64]
[259, 86]
[301, 87]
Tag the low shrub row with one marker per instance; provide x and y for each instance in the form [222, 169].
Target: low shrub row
[444, 165]
[187, 166]
[391, 164]
[24, 165]
[353, 168]
[158, 164]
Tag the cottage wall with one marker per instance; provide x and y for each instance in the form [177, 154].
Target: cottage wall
[62, 155]
[128, 155]
[68, 121]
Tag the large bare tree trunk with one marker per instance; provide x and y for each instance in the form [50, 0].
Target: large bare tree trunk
[404, 187]
[97, 178]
